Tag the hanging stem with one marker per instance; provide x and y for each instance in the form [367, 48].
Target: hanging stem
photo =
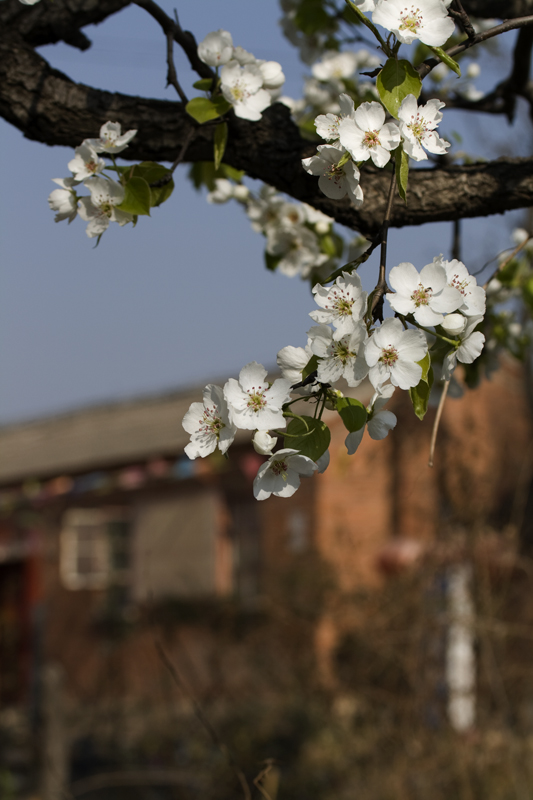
[381, 286]
[437, 422]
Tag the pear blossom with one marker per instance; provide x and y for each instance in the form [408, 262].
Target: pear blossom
[280, 475]
[273, 77]
[454, 324]
[393, 353]
[223, 191]
[297, 248]
[216, 49]
[64, 200]
[334, 181]
[335, 65]
[242, 87]
[365, 5]
[417, 127]
[367, 135]
[264, 211]
[263, 443]
[209, 424]
[111, 140]
[242, 56]
[458, 277]
[322, 223]
[472, 342]
[292, 361]
[342, 304]
[327, 125]
[339, 358]
[322, 463]
[100, 208]
[85, 163]
[378, 423]
[425, 295]
[254, 405]
[426, 20]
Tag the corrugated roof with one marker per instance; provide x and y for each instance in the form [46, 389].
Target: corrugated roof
[96, 437]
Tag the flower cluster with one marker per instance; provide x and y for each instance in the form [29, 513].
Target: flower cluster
[101, 206]
[248, 83]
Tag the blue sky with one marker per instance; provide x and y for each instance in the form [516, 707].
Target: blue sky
[184, 297]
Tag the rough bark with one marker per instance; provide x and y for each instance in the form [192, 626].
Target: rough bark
[48, 107]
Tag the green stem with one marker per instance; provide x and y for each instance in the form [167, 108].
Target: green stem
[384, 46]
[454, 342]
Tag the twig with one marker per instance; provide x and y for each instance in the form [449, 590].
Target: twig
[508, 25]
[168, 177]
[456, 244]
[507, 260]
[185, 39]
[172, 75]
[178, 680]
[381, 286]
[437, 422]
[463, 19]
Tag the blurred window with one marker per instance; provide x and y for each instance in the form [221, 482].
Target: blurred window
[94, 548]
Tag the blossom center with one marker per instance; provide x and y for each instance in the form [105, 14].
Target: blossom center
[342, 352]
[371, 139]
[389, 356]
[421, 296]
[280, 468]
[334, 172]
[342, 304]
[458, 284]
[418, 127]
[211, 423]
[106, 209]
[410, 19]
[256, 400]
[238, 92]
[91, 166]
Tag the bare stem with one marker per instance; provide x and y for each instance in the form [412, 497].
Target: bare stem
[168, 177]
[437, 423]
[381, 286]
[172, 75]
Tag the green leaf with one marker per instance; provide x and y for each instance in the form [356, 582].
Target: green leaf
[396, 80]
[420, 394]
[204, 84]
[402, 171]
[308, 435]
[352, 412]
[271, 262]
[202, 109]
[311, 366]
[221, 138]
[231, 173]
[152, 172]
[137, 199]
[448, 60]
[327, 245]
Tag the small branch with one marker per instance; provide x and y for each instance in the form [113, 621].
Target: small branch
[508, 25]
[185, 39]
[437, 423]
[178, 680]
[462, 18]
[507, 260]
[172, 75]
[381, 286]
[181, 155]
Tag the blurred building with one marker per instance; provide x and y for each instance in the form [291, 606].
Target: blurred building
[120, 556]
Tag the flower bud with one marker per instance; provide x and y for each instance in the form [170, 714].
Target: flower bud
[264, 443]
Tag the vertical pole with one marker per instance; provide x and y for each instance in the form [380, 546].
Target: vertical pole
[54, 751]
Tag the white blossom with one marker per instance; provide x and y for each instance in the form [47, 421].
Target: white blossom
[417, 127]
[242, 56]
[425, 295]
[378, 423]
[64, 200]
[242, 87]
[297, 248]
[223, 191]
[335, 65]
[327, 125]
[458, 277]
[426, 20]
[85, 163]
[472, 342]
[273, 77]
[313, 216]
[454, 324]
[393, 353]
[339, 358]
[209, 424]
[367, 135]
[263, 443]
[100, 208]
[280, 475]
[216, 49]
[334, 181]
[254, 405]
[342, 305]
[292, 361]
[111, 140]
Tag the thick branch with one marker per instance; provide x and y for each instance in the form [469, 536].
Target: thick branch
[49, 107]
